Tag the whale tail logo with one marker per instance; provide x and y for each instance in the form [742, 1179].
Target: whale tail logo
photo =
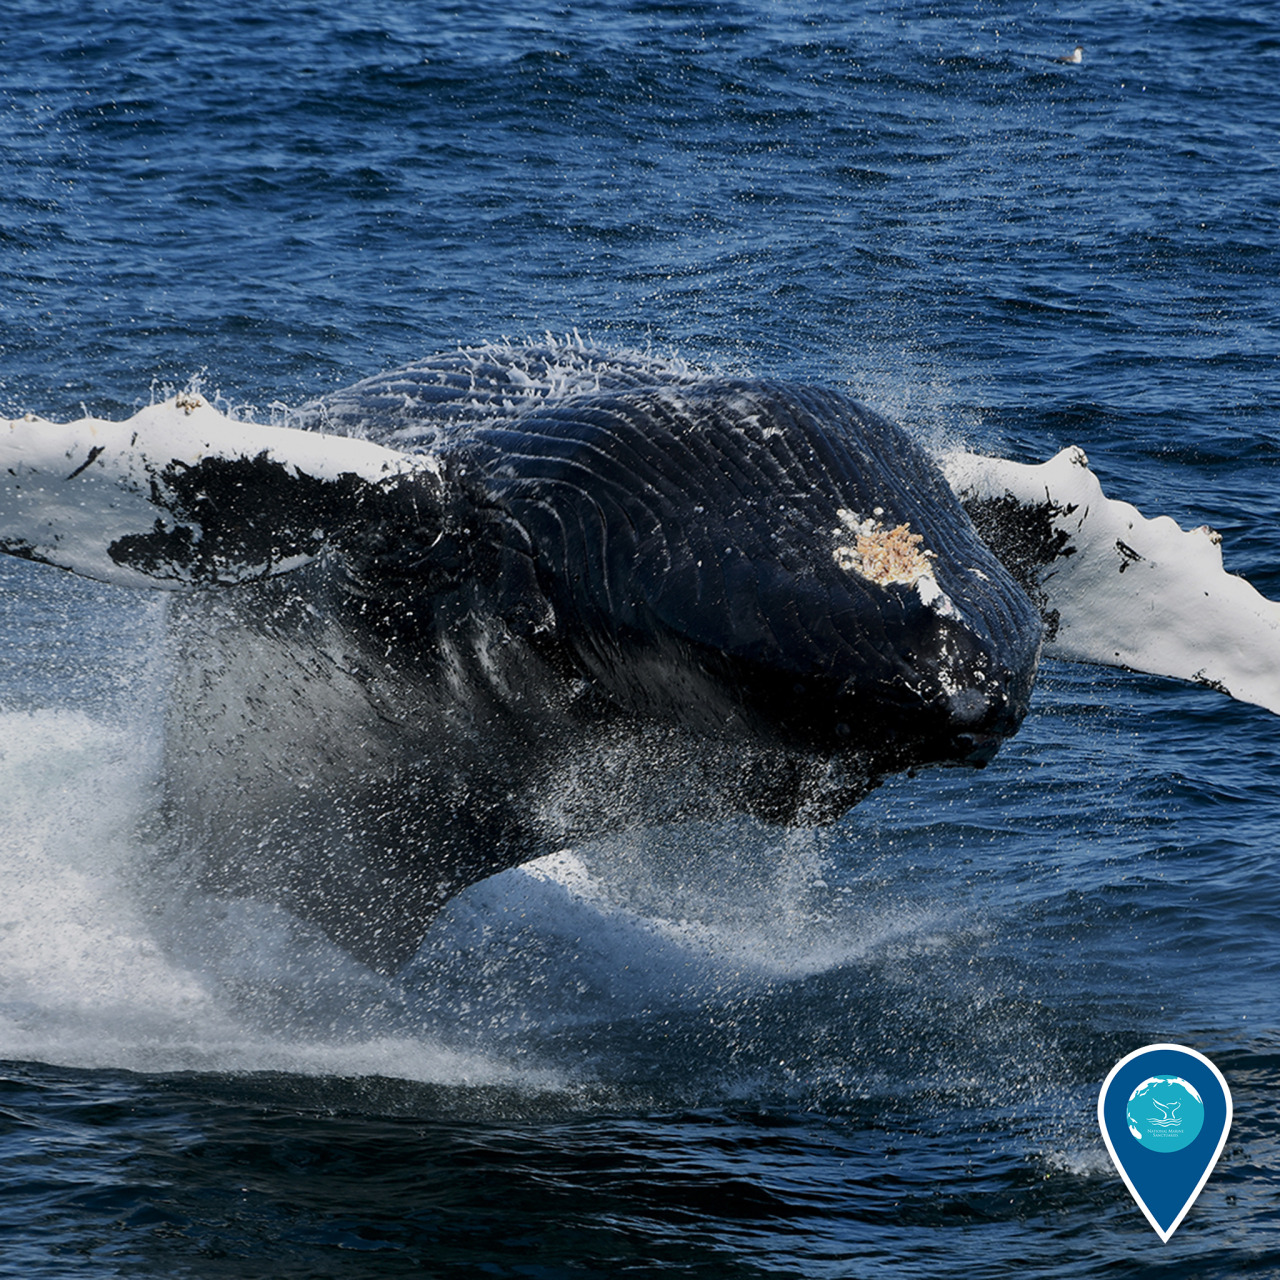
[1168, 1113]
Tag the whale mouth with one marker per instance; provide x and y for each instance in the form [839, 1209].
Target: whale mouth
[979, 749]
[982, 723]
[951, 714]
[914, 716]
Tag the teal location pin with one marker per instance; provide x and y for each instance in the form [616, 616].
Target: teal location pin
[1165, 1111]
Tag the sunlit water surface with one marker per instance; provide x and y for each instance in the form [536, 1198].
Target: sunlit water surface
[712, 1050]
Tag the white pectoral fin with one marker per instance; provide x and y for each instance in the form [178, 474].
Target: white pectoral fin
[1117, 588]
[180, 493]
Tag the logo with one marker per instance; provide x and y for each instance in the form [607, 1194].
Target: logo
[1165, 1112]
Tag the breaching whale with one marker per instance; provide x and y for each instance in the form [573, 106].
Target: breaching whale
[447, 619]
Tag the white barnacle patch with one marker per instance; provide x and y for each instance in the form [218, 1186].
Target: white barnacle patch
[882, 555]
[189, 401]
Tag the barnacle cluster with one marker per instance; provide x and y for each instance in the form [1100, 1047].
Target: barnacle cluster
[881, 555]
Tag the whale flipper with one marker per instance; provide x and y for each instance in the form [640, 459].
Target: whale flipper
[180, 494]
[1116, 588]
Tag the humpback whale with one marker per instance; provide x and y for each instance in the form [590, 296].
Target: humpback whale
[450, 618]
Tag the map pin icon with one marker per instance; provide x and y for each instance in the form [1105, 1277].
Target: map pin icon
[1165, 1112]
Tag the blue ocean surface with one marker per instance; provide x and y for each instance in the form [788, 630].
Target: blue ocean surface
[871, 1049]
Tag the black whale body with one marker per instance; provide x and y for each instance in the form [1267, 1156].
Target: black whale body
[621, 601]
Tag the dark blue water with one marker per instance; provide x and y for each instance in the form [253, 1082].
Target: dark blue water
[868, 1051]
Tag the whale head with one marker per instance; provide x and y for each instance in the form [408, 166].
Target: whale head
[772, 564]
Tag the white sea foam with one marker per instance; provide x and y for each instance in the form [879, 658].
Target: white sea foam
[689, 913]
[79, 964]
[96, 970]
[104, 962]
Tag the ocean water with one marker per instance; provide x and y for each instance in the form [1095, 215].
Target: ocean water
[867, 1050]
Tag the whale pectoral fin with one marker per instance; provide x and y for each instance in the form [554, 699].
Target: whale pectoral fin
[181, 494]
[1119, 589]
